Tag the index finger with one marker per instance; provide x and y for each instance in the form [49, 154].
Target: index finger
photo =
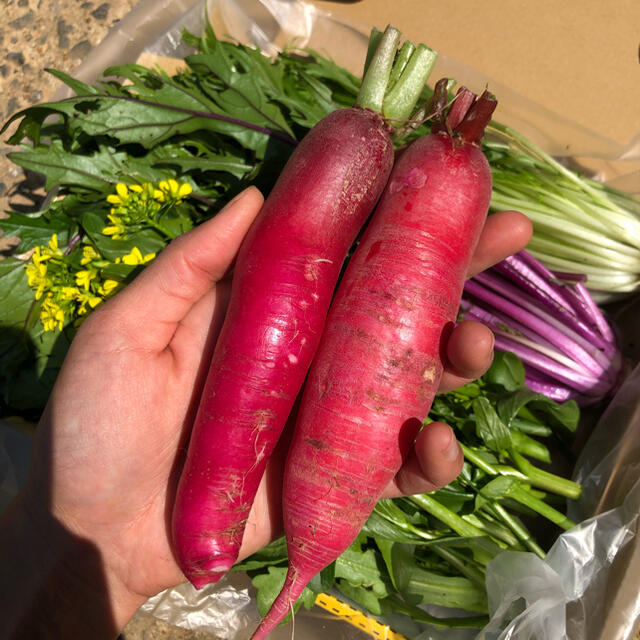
[504, 234]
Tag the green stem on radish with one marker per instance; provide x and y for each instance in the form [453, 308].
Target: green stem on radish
[394, 79]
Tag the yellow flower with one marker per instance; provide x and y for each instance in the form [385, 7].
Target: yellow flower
[116, 228]
[172, 190]
[51, 314]
[87, 299]
[70, 293]
[136, 257]
[37, 278]
[88, 254]
[108, 287]
[84, 278]
[121, 195]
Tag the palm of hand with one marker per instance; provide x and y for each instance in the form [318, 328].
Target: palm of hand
[115, 478]
[113, 437]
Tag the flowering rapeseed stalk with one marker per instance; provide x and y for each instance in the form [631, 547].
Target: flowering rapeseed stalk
[69, 284]
[65, 293]
[139, 206]
[69, 293]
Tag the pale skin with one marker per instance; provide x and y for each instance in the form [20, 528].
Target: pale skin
[88, 540]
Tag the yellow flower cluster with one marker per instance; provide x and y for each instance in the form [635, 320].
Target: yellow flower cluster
[139, 204]
[66, 292]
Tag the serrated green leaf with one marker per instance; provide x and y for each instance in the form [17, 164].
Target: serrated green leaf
[79, 87]
[97, 171]
[361, 568]
[270, 584]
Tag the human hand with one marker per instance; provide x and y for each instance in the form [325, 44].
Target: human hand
[111, 442]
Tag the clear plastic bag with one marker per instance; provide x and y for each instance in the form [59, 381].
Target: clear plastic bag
[586, 588]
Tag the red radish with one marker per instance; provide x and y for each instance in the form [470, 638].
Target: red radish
[284, 278]
[379, 361]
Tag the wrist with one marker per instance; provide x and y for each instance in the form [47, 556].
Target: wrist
[57, 582]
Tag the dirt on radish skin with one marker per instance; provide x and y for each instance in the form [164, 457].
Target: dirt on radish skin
[378, 364]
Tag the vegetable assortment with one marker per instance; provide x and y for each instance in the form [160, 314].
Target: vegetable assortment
[131, 164]
[231, 118]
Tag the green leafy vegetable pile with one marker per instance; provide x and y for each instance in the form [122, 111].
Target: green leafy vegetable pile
[142, 131]
[432, 549]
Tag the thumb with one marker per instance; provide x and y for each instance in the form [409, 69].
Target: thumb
[151, 307]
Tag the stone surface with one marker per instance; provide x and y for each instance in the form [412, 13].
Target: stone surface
[40, 34]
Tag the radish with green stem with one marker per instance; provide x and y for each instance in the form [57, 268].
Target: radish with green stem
[379, 361]
[284, 278]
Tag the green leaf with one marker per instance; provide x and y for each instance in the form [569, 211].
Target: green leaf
[489, 427]
[566, 414]
[35, 229]
[208, 163]
[96, 171]
[378, 525]
[79, 87]
[363, 597]
[270, 584]
[29, 357]
[506, 370]
[361, 568]
[147, 240]
[428, 587]
[274, 553]
[498, 488]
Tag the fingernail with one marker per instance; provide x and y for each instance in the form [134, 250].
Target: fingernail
[237, 197]
[452, 450]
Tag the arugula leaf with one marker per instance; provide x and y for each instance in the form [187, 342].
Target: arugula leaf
[361, 568]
